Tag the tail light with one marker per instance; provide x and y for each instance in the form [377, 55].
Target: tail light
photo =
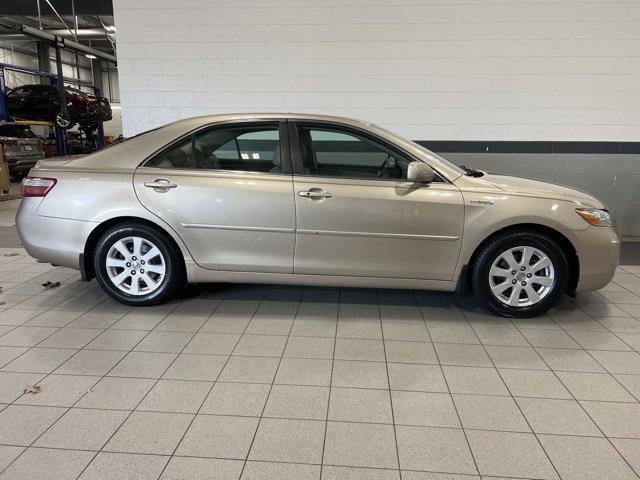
[37, 186]
[9, 143]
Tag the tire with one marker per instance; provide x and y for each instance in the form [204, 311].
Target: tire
[520, 295]
[150, 277]
[64, 120]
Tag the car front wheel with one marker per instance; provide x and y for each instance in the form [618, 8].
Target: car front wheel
[138, 265]
[520, 274]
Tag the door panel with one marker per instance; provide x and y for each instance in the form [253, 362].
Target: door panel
[357, 215]
[378, 228]
[239, 220]
[229, 221]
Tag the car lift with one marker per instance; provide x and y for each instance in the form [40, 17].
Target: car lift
[58, 79]
[61, 133]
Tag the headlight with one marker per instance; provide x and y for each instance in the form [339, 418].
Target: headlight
[599, 218]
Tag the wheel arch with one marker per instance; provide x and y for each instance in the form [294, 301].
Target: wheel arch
[86, 258]
[464, 281]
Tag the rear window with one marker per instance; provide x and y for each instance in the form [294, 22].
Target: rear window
[75, 91]
[16, 131]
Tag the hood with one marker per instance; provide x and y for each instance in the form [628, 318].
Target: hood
[535, 188]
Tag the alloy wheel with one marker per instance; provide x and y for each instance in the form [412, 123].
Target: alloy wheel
[135, 266]
[521, 276]
[63, 119]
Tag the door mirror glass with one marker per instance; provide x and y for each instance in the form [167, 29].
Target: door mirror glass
[419, 172]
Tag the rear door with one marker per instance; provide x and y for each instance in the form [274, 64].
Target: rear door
[227, 190]
[357, 214]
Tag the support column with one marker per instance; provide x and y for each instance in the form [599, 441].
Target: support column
[44, 64]
[61, 133]
[96, 64]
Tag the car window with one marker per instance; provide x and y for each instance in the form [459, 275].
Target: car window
[20, 92]
[16, 131]
[335, 153]
[179, 155]
[244, 148]
[40, 89]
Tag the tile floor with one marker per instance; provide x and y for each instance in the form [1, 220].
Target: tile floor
[282, 382]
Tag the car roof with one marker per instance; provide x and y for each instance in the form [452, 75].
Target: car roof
[31, 85]
[45, 86]
[231, 117]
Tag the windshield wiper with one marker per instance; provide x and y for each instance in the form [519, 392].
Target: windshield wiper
[471, 172]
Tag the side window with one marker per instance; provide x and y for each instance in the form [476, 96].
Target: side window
[333, 153]
[39, 90]
[246, 148]
[179, 155]
[20, 92]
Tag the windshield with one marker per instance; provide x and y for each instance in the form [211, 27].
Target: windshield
[427, 151]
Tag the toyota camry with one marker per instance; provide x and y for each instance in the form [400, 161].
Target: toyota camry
[313, 200]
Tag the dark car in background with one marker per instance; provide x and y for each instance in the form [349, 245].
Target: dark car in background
[21, 147]
[42, 102]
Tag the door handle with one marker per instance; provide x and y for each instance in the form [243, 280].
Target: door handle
[160, 183]
[315, 193]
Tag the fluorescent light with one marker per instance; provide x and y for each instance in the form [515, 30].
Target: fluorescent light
[92, 57]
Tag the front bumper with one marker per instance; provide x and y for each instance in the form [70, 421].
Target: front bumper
[96, 114]
[598, 251]
[59, 241]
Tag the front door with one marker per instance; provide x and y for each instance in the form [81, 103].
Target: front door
[357, 215]
[227, 191]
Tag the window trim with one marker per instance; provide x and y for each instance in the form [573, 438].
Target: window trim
[298, 164]
[285, 157]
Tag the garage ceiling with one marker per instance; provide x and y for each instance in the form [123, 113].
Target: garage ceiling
[94, 18]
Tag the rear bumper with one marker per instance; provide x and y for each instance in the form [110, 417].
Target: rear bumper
[59, 241]
[598, 251]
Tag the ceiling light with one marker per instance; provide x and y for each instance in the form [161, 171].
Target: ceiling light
[92, 57]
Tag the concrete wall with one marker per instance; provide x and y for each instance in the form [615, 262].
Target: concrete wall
[615, 179]
[428, 69]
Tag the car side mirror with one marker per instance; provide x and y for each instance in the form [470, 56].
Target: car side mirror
[419, 172]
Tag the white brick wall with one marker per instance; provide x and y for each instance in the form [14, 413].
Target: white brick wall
[428, 69]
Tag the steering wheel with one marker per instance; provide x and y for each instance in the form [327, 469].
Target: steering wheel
[384, 167]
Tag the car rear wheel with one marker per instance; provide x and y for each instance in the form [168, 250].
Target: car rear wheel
[64, 120]
[520, 274]
[138, 265]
